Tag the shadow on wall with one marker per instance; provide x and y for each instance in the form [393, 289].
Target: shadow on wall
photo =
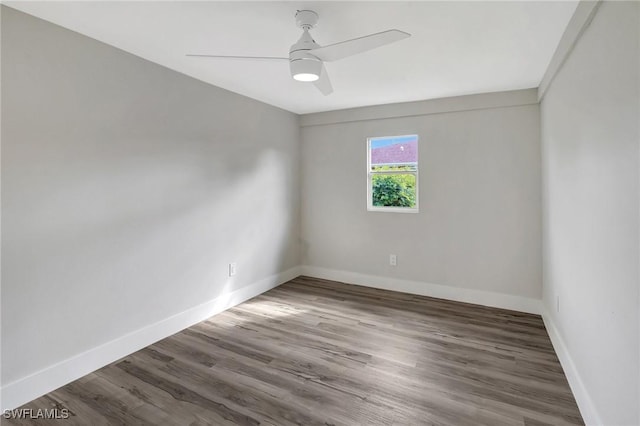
[127, 189]
[138, 245]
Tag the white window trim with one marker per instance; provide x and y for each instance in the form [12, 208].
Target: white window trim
[370, 206]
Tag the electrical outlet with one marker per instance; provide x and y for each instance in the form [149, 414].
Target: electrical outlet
[232, 269]
[393, 260]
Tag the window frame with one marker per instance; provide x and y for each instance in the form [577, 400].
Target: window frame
[370, 174]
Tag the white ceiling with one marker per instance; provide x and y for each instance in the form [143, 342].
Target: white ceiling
[456, 48]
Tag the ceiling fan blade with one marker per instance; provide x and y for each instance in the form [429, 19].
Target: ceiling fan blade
[323, 83]
[336, 51]
[257, 58]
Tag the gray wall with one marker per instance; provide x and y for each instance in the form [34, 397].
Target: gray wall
[479, 223]
[590, 139]
[127, 189]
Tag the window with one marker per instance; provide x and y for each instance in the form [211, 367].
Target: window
[392, 174]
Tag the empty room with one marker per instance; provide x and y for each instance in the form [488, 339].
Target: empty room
[320, 213]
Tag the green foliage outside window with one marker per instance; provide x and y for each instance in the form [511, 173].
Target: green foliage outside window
[393, 190]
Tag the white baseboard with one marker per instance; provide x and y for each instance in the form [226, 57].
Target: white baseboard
[37, 384]
[41, 382]
[585, 403]
[478, 297]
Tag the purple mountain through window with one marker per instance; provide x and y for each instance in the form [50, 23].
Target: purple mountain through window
[397, 153]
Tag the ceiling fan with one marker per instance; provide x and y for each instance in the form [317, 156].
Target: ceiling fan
[306, 57]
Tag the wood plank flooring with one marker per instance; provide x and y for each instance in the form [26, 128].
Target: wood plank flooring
[316, 352]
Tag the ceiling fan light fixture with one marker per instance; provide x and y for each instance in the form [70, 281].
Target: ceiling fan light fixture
[306, 77]
[306, 69]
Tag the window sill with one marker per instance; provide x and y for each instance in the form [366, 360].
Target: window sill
[392, 209]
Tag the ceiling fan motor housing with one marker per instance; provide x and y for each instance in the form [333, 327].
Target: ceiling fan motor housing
[306, 69]
[303, 65]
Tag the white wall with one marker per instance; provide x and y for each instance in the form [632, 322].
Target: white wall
[1, 9]
[590, 136]
[479, 225]
[127, 188]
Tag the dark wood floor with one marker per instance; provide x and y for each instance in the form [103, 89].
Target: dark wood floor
[316, 352]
